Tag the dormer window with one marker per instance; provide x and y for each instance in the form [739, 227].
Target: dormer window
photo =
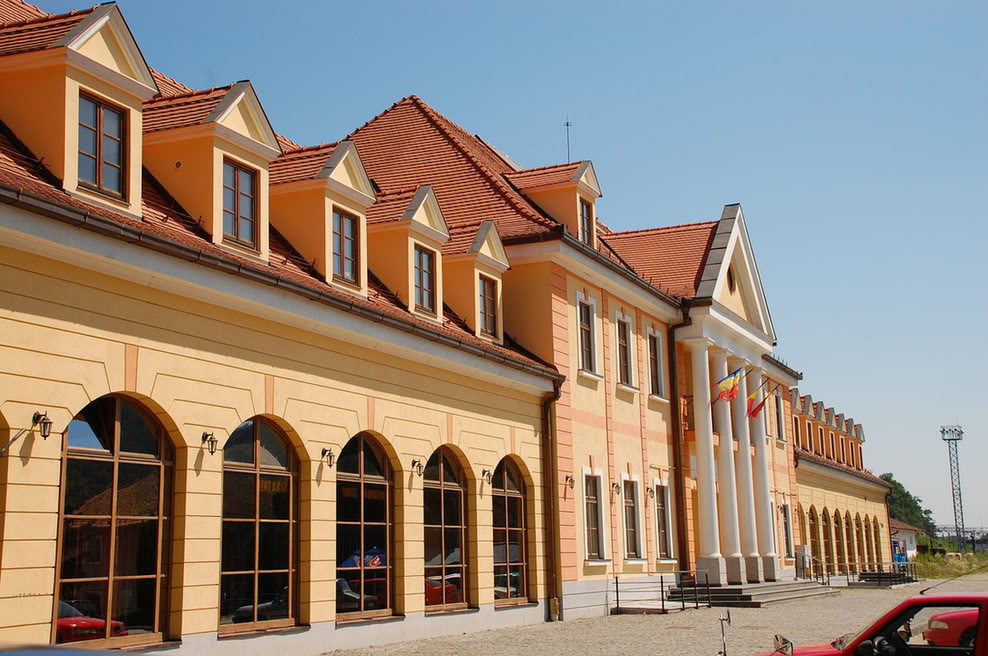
[425, 280]
[586, 223]
[346, 240]
[488, 306]
[239, 204]
[101, 146]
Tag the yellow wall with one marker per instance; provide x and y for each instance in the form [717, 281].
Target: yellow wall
[36, 112]
[528, 316]
[563, 204]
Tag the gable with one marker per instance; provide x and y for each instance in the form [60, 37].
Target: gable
[103, 37]
[424, 212]
[736, 293]
[239, 120]
[344, 171]
[240, 112]
[104, 48]
[487, 245]
[586, 177]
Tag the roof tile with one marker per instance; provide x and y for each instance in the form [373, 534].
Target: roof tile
[38, 33]
[544, 176]
[299, 163]
[179, 111]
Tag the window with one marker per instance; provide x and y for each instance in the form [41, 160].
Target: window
[101, 146]
[787, 529]
[115, 533]
[843, 450]
[445, 531]
[346, 240]
[586, 223]
[822, 444]
[809, 436]
[796, 439]
[425, 279]
[778, 418]
[731, 286]
[508, 497]
[951, 627]
[833, 446]
[860, 458]
[632, 547]
[488, 306]
[595, 543]
[239, 203]
[662, 521]
[259, 566]
[364, 530]
[586, 336]
[655, 364]
[624, 352]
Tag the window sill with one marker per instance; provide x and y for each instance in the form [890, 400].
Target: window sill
[627, 388]
[589, 375]
[508, 605]
[349, 284]
[251, 633]
[636, 561]
[658, 399]
[779, 442]
[666, 561]
[452, 611]
[600, 562]
[361, 621]
[164, 644]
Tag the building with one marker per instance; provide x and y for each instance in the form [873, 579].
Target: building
[386, 387]
[905, 534]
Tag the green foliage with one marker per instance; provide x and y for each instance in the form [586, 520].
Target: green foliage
[939, 567]
[907, 508]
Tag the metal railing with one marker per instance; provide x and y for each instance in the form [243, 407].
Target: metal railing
[810, 568]
[693, 586]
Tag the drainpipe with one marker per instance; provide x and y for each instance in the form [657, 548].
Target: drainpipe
[550, 485]
[677, 443]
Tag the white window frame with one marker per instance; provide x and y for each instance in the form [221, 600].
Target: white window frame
[780, 417]
[833, 446]
[601, 520]
[663, 394]
[658, 484]
[632, 384]
[642, 557]
[595, 372]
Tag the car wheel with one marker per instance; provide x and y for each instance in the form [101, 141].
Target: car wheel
[967, 638]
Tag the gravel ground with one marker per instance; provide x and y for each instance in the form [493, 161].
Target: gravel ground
[694, 632]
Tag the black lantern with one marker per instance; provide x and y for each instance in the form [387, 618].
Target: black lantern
[210, 441]
[43, 422]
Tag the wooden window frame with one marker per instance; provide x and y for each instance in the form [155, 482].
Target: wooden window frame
[420, 278]
[663, 543]
[294, 546]
[101, 107]
[496, 496]
[624, 352]
[823, 442]
[362, 478]
[464, 567]
[586, 336]
[655, 364]
[632, 528]
[488, 306]
[586, 223]
[163, 568]
[343, 236]
[254, 173]
[780, 420]
[595, 544]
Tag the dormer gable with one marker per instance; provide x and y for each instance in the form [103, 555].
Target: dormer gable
[566, 192]
[473, 276]
[319, 201]
[82, 79]
[212, 149]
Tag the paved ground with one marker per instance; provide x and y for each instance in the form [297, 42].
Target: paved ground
[690, 633]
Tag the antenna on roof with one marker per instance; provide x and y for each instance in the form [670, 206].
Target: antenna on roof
[567, 124]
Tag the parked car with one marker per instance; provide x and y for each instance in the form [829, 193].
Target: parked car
[915, 627]
[73, 625]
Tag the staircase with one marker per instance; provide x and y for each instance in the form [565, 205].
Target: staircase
[755, 595]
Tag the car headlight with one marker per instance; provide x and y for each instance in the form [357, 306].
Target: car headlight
[938, 624]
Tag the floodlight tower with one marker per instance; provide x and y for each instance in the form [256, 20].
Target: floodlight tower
[952, 435]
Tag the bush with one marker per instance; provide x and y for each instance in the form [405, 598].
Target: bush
[938, 567]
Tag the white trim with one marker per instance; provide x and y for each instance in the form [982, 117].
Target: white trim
[670, 542]
[594, 332]
[106, 74]
[790, 547]
[635, 480]
[632, 383]
[663, 376]
[583, 373]
[602, 532]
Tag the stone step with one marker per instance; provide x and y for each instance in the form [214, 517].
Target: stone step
[754, 595]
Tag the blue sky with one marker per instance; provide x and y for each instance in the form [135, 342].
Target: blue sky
[853, 134]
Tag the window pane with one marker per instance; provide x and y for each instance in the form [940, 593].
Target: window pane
[274, 497]
[112, 123]
[246, 229]
[240, 446]
[375, 546]
[93, 428]
[376, 589]
[78, 602]
[137, 490]
[85, 548]
[337, 257]
[349, 460]
[453, 554]
[433, 586]
[432, 467]
[375, 503]
[87, 168]
[246, 207]
[229, 223]
[372, 465]
[453, 587]
[498, 483]
[514, 480]
[87, 112]
[451, 509]
[239, 498]
[514, 512]
[87, 140]
[500, 518]
[88, 487]
[272, 596]
[517, 581]
[515, 546]
[273, 545]
[348, 501]
[111, 151]
[229, 199]
[273, 449]
[111, 178]
[238, 546]
[348, 545]
[348, 585]
[500, 546]
[133, 605]
[136, 434]
[137, 547]
[500, 582]
[229, 175]
[432, 502]
[236, 598]
[433, 546]
[449, 471]
[246, 182]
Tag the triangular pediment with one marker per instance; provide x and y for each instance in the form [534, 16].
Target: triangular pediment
[345, 168]
[425, 215]
[104, 37]
[487, 245]
[587, 178]
[240, 111]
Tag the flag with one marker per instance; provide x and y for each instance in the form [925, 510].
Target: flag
[729, 385]
[753, 413]
[752, 410]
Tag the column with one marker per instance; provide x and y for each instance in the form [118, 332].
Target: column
[746, 490]
[763, 501]
[709, 558]
[727, 506]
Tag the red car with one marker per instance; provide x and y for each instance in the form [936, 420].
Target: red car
[923, 625]
[73, 626]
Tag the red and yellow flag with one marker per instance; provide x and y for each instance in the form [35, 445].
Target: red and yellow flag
[729, 385]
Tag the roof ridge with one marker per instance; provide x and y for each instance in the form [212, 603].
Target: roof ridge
[50, 17]
[397, 191]
[307, 149]
[493, 180]
[169, 78]
[545, 168]
[681, 226]
[178, 98]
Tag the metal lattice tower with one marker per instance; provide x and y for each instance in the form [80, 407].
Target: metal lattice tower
[952, 435]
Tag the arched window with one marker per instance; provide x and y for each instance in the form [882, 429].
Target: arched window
[878, 542]
[849, 531]
[114, 537]
[839, 541]
[868, 543]
[444, 502]
[815, 541]
[510, 548]
[828, 547]
[258, 580]
[862, 557]
[364, 520]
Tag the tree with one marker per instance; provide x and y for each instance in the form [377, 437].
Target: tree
[907, 508]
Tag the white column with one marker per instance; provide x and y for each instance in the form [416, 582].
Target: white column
[763, 501]
[727, 506]
[746, 490]
[709, 558]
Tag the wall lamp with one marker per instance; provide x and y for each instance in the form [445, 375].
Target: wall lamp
[616, 488]
[327, 455]
[570, 481]
[417, 466]
[210, 441]
[39, 419]
[487, 475]
[651, 493]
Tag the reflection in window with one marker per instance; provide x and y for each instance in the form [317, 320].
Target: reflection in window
[445, 531]
[101, 146]
[363, 530]
[508, 497]
[260, 528]
[115, 533]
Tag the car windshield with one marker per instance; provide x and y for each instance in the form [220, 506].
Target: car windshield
[848, 638]
[68, 610]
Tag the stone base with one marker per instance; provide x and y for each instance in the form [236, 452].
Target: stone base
[715, 567]
[772, 570]
[753, 568]
[735, 569]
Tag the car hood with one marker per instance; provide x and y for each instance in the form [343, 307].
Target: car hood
[823, 649]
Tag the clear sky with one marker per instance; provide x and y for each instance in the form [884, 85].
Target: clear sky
[852, 133]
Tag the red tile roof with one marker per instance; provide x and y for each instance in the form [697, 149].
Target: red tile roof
[299, 163]
[179, 111]
[544, 176]
[13, 11]
[38, 33]
[390, 205]
[670, 258]
[167, 86]
[826, 462]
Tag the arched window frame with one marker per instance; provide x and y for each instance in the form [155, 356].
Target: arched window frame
[502, 498]
[165, 460]
[457, 487]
